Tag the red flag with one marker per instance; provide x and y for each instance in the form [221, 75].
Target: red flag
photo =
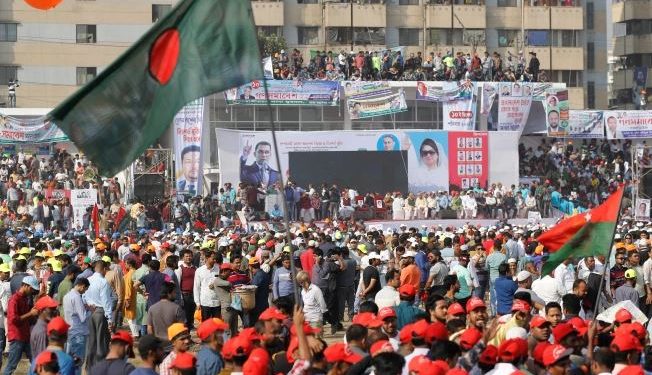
[118, 217]
[95, 217]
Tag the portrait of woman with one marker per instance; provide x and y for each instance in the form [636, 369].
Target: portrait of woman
[430, 169]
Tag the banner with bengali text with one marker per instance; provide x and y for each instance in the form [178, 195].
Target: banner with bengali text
[581, 124]
[286, 92]
[370, 99]
[628, 124]
[36, 130]
[514, 103]
[187, 147]
[459, 102]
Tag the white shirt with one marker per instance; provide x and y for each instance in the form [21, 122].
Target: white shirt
[566, 276]
[647, 272]
[417, 352]
[314, 305]
[502, 368]
[388, 296]
[205, 296]
[549, 289]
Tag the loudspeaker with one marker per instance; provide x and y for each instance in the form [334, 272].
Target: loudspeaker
[448, 214]
[149, 187]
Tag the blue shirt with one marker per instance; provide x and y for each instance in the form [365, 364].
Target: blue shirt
[209, 362]
[505, 289]
[143, 371]
[282, 283]
[66, 363]
[407, 313]
[424, 266]
[153, 282]
[99, 295]
[75, 314]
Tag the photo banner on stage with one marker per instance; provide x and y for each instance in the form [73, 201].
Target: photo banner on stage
[459, 102]
[514, 102]
[188, 123]
[370, 99]
[286, 92]
[469, 160]
[557, 113]
[628, 124]
[581, 124]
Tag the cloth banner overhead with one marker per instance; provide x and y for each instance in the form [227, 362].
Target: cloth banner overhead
[557, 113]
[37, 130]
[459, 102]
[488, 97]
[514, 102]
[81, 200]
[468, 166]
[581, 124]
[373, 99]
[286, 92]
[187, 147]
[628, 124]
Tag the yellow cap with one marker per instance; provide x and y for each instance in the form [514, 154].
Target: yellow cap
[58, 252]
[287, 249]
[176, 330]
[51, 261]
[362, 247]
[253, 261]
[4, 267]
[39, 255]
[261, 242]
[56, 266]
[24, 251]
[106, 259]
[21, 257]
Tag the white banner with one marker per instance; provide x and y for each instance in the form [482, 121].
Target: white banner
[581, 124]
[628, 124]
[187, 147]
[642, 211]
[515, 100]
[459, 102]
[81, 200]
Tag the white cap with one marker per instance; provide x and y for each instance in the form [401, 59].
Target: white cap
[523, 275]
[464, 247]
[511, 260]
[617, 236]
[409, 254]
[312, 243]
[373, 256]
[516, 333]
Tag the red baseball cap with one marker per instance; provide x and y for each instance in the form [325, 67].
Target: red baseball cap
[455, 309]
[537, 352]
[45, 357]
[512, 349]
[269, 244]
[632, 370]
[407, 290]
[307, 329]
[623, 316]
[227, 348]
[46, 302]
[226, 266]
[250, 334]
[457, 371]
[561, 331]
[580, 325]
[272, 313]
[626, 342]
[537, 321]
[554, 353]
[184, 361]
[474, 303]
[123, 336]
[257, 363]
[210, 326]
[380, 346]
[386, 312]
[419, 328]
[340, 353]
[436, 332]
[489, 355]
[634, 328]
[405, 335]
[367, 319]
[522, 306]
[469, 338]
[421, 365]
[58, 325]
[241, 346]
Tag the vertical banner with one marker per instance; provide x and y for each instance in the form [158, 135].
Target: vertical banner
[514, 102]
[187, 148]
[459, 114]
[639, 86]
[642, 209]
[427, 160]
[557, 113]
[469, 164]
[81, 200]
[489, 94]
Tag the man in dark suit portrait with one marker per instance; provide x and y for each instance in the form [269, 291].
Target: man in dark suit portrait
[246, 95]
[259, 172]
[190, 161]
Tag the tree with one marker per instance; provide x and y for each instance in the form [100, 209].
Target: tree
[269, 44]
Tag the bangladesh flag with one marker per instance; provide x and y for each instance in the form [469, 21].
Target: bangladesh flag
[587, 234]
[199, 48]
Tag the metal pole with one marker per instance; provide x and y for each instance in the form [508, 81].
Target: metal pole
[351, 28]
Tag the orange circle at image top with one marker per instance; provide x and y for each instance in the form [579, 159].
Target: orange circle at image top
[43, 4]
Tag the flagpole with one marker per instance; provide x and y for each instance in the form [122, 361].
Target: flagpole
[286, 219]
[606, 261]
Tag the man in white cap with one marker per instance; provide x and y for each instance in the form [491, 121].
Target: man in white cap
[524, 280]
[410, 273]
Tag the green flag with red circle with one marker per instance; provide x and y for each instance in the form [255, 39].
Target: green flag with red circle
[199, 48]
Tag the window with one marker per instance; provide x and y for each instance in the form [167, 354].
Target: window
[590, 55]
[506, 3]
[408, 37]
[472, 37]
[507, 38]
[8, 73]
[440, 37]
[159, 11]
[590, 94]
[270, 30]
[8, 32]
[538, 38]
[589, 16]
[85, 75]
[565, 38]
[307, 2]
[86, 34]
[308, 35]
[361, 35]
[408, 2]
[572, 78]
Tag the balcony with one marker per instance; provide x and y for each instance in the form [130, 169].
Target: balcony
[268, 13]
[364, 15]
[537, 18]
[567, 58]
[576, 98]
[630, 44]
[439, 16]
[504, 17]
[408, 16]
[469, 17]
[305, 14]
[631, 10]
[567, 18]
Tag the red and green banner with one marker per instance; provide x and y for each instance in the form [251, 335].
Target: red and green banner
[199, 48]
[586, 234]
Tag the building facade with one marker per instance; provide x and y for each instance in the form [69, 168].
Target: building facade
[632, 50]
[54, 52]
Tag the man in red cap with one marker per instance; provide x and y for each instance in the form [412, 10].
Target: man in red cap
[38, 339]
[627, 351]
[210, 333]
[120, 347]
[512, 354]
[540, 331]
[623, 317]
[406, 312]
[520, 317]
[556, 358]
[390, 327]
[46, 364]
[476, 313]
[184, 364]
[418, 340]
[341, 358]
[273, 319]
[57, 331]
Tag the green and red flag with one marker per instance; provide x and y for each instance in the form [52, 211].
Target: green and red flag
[199, 48]
[586, 234]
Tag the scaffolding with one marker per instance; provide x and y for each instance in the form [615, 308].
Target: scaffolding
[153, 162]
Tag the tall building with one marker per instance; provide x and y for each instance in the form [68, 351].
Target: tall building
[632, 50]
[54, 52]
